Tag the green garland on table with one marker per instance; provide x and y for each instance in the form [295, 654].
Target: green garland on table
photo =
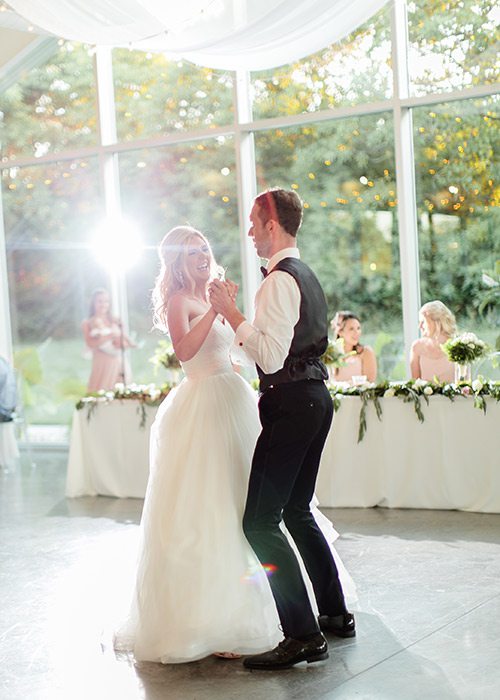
[414, 391]
[144, 394]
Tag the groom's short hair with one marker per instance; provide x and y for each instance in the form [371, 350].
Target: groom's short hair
[285, 206]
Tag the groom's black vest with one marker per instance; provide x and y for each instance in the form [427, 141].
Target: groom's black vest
[310, 335]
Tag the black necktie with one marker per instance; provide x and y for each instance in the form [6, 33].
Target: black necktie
[264, 271]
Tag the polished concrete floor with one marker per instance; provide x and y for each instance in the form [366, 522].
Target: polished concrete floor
[428, 617]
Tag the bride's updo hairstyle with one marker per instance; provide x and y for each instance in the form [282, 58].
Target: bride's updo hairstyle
[174, 276]
[442, 317]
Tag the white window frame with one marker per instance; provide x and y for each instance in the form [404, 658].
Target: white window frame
[242, 131]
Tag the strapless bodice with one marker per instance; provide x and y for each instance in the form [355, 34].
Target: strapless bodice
[213, 356]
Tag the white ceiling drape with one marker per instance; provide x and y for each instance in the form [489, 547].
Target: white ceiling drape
[226, 34]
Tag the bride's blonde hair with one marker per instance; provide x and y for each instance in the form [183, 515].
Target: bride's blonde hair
[174, 276]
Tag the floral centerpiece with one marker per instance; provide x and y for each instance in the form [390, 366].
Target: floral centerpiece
[164, 356]
[335, 356]
[463, 350]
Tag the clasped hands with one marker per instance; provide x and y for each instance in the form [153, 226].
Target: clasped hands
[222, 296]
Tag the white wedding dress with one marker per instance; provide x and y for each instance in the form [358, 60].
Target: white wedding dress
[199, 587]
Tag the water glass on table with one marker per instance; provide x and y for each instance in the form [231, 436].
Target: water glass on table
[359, 379]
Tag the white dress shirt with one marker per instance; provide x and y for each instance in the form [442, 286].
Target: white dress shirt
[268, 338]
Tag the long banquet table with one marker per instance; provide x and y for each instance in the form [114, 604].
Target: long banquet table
[450, 461]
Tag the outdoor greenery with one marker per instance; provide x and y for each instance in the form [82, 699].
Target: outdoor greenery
[342, 168]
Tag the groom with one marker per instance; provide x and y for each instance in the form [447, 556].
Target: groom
[286, 341]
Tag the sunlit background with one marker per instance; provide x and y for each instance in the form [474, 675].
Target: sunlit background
[343, 168]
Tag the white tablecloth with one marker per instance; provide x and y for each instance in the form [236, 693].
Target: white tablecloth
[8, 445]
[109, 452]
[451, 461]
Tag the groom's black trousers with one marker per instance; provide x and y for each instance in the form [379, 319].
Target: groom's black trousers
[296, 418]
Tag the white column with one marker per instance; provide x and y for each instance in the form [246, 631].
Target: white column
[109, 169]
[405, 178]
[246, 181]
[5, 327]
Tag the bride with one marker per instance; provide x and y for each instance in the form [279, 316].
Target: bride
[199, 587]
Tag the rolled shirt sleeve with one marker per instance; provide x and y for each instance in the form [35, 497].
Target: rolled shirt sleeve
[267, 340]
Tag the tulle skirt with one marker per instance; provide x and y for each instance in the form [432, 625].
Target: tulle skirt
[199, 587]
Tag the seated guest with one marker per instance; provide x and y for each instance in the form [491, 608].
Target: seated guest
[347, 325]
[427, 359]
[8, 391]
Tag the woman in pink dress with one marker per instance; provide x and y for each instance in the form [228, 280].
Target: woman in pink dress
[347, 325]
[427, 359]
[104, 336]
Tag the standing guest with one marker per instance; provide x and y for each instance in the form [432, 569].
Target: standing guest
[347, 325]
[104, 336]
[427, 359]
[286, 340]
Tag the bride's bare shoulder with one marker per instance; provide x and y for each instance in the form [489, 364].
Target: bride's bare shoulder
[178, 304]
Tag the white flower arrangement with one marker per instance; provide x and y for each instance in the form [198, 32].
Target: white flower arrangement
[335, 355]
[464, 348]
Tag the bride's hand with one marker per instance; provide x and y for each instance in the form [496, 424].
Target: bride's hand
[220, 297]
[232, 288]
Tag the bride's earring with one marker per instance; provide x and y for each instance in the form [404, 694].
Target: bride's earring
[180, 277]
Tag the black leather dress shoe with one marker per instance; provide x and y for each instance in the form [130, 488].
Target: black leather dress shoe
[288, 653]
[339, 625]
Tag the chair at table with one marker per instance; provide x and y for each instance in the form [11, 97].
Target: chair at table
[20, 421]
[8, 400]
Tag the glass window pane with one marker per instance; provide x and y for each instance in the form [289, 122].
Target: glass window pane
[155, 96]
[453, 44]
[51, 273]
[193, 184]
[458, 198]
[344, 172]
[355, 70]
[52, 107]
[58, 201]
